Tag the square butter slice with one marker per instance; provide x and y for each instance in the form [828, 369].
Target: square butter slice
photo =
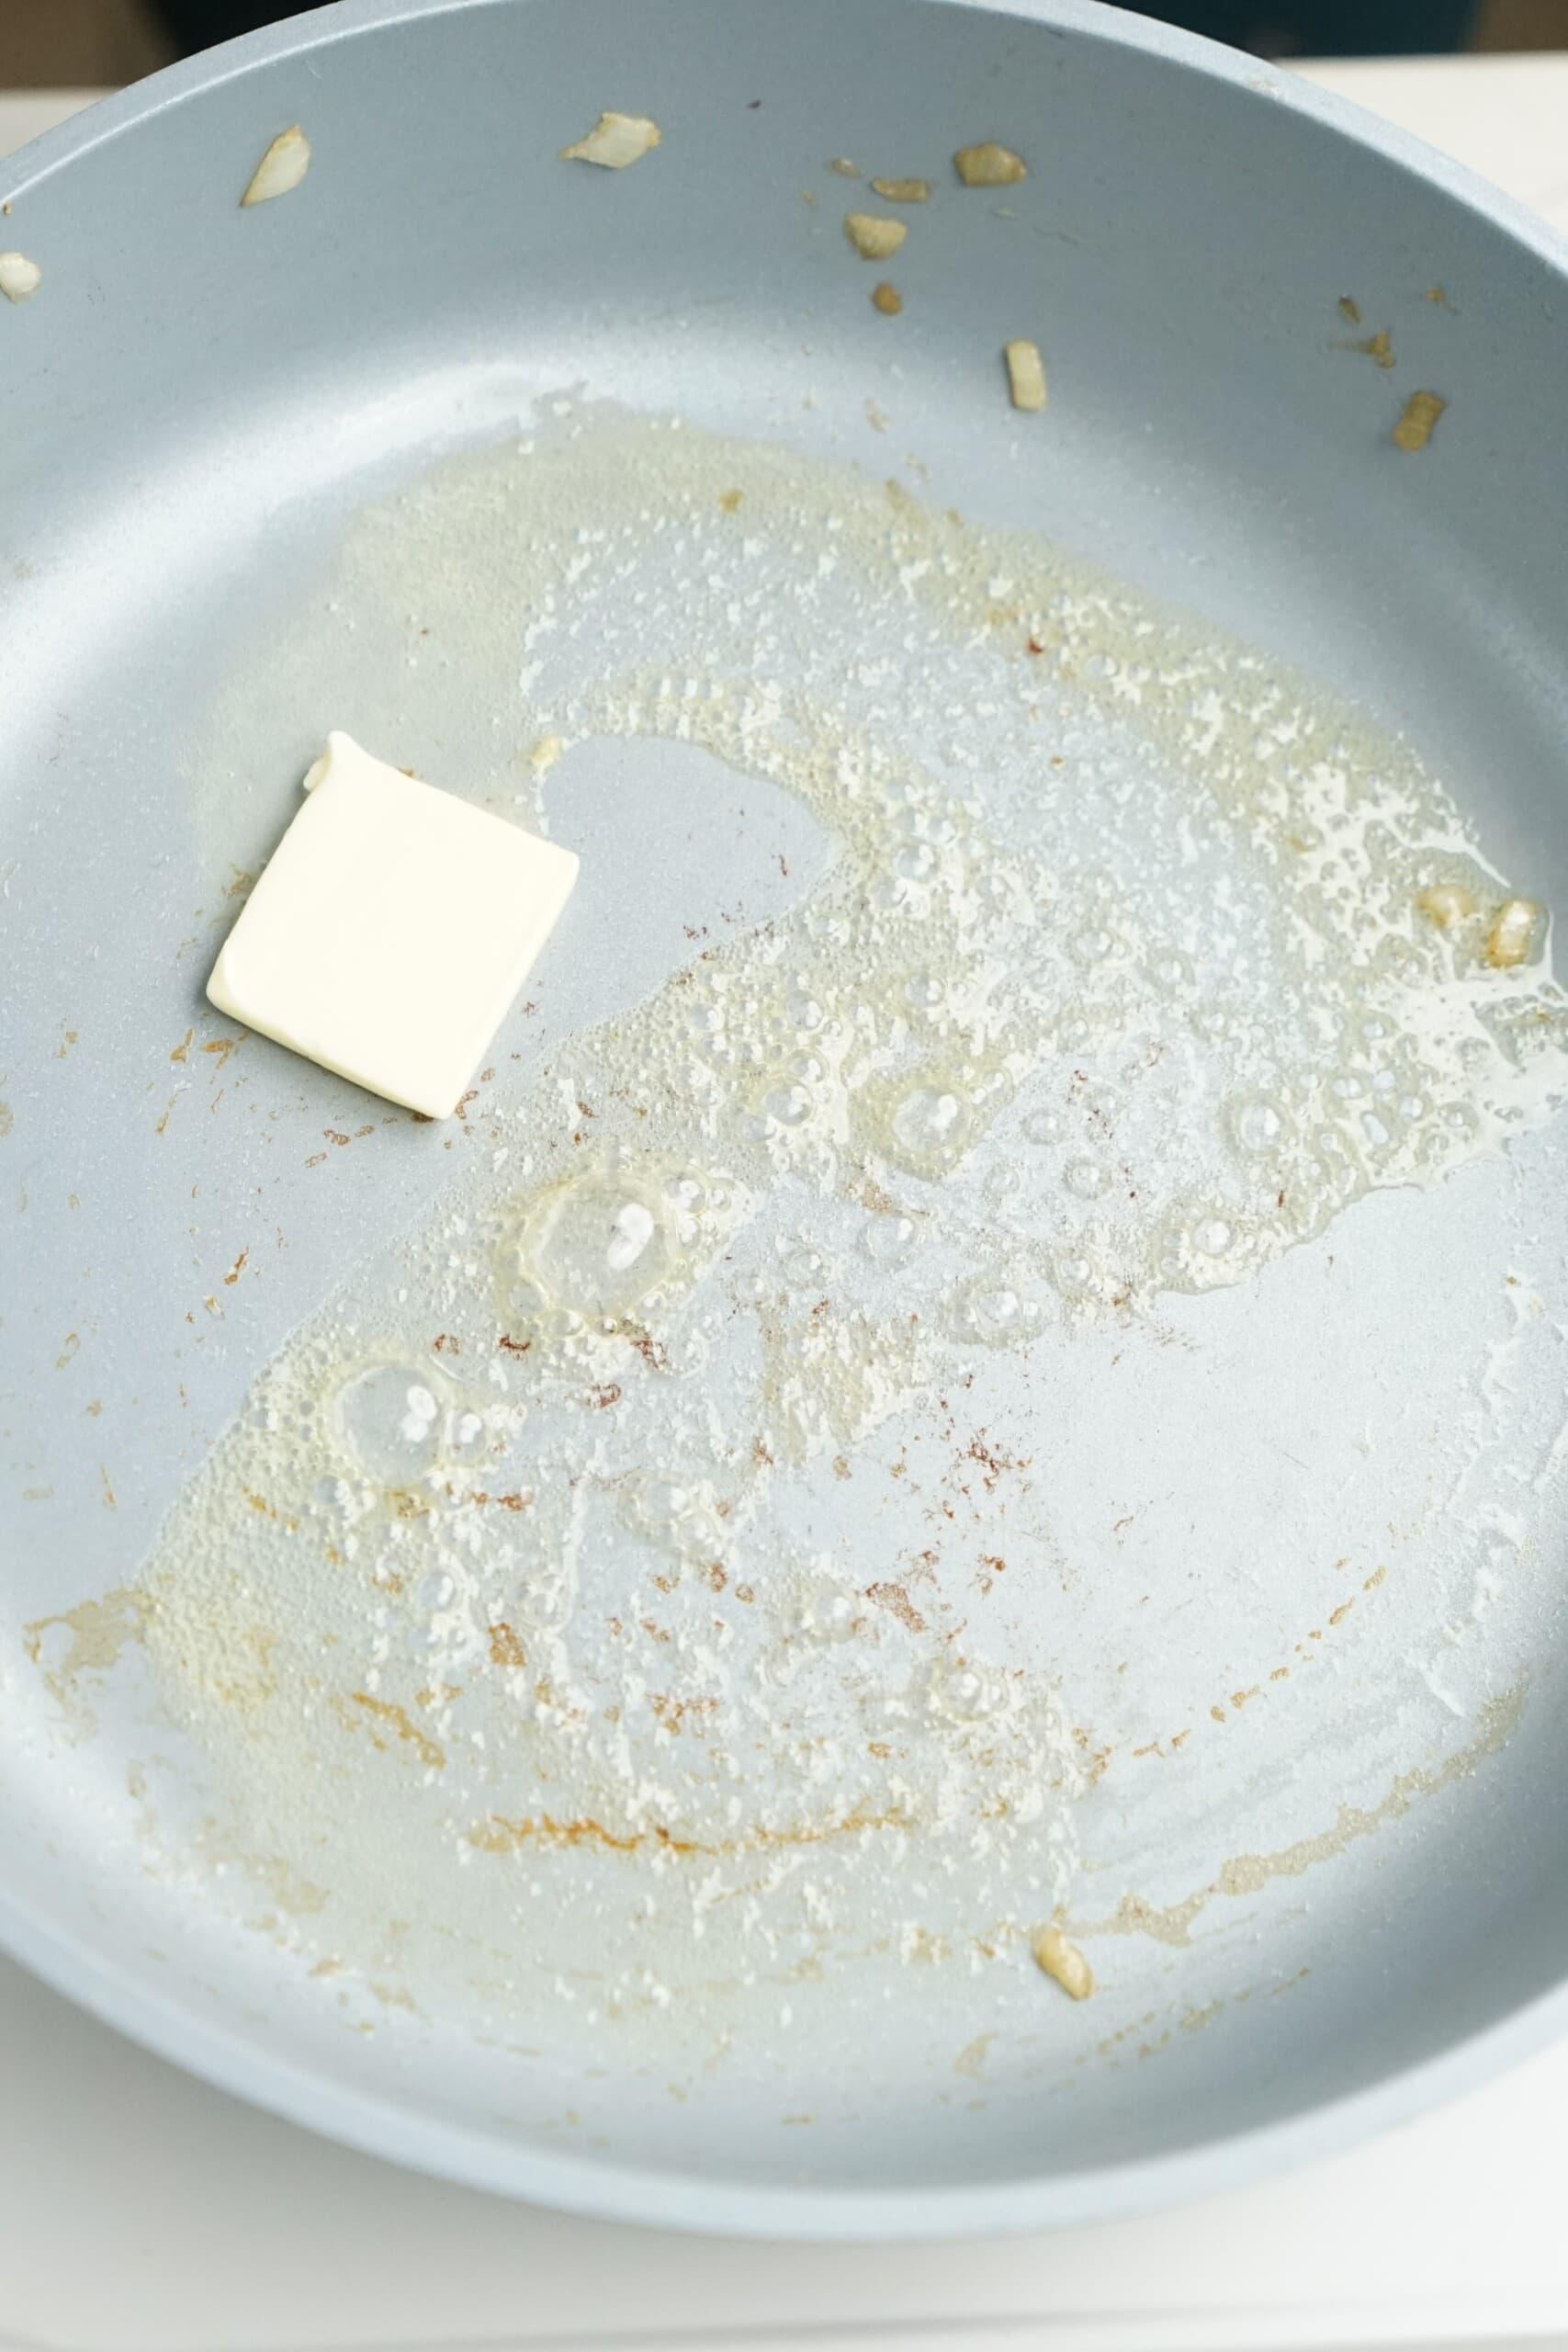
[390, 930]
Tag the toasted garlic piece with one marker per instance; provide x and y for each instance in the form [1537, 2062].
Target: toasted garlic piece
[845, 169]
[887, 300]
[872, 237]
[1448, 904]
[616, 141]
[1026, 375]
[19, 278]
[989, 165]
[1515, 935]
[283, 166]
[902, 191]
[1062, 1959]
[1416, 419]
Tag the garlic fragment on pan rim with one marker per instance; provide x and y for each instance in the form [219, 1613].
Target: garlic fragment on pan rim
[872, 237]
[989, 165]
[19, 278]
[616, 141]
[903, 191]
[283, 167]
[1026, 375]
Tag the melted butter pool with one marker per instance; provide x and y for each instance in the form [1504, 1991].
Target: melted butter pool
[832, 1422]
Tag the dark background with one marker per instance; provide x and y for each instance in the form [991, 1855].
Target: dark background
[64, 44]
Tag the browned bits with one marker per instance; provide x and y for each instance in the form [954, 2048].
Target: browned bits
[887, 300]
[505, 1649]
[1416, 420]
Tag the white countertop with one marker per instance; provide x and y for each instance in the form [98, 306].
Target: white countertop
[140, 2211]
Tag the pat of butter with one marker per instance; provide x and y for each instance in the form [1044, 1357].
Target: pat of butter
[390, 930]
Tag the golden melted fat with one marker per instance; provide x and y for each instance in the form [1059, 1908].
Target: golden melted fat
[518, 1598]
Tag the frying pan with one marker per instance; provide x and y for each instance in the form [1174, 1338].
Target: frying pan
[674, 1846]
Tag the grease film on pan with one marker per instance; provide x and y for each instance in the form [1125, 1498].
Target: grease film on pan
[708, 1578]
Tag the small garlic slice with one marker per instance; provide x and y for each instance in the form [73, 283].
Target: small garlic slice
[616, 141]
[872, 237]
[283, 166]
[989, 165]
[19, 278]
[1515, 935]
[887, 300]
[845, 169]
[1416, 419]
[1060, 1958]
[902, 191]
[1026, 375]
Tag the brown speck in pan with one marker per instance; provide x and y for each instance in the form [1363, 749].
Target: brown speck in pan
[1377, 347]
[897, 1604]
[505, 1649]
[383, 1716]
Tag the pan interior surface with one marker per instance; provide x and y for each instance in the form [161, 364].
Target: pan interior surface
[988, 1353]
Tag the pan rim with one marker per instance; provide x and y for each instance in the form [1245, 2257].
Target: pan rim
[467, 2155]
[699, 2204]
[1116, 28]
